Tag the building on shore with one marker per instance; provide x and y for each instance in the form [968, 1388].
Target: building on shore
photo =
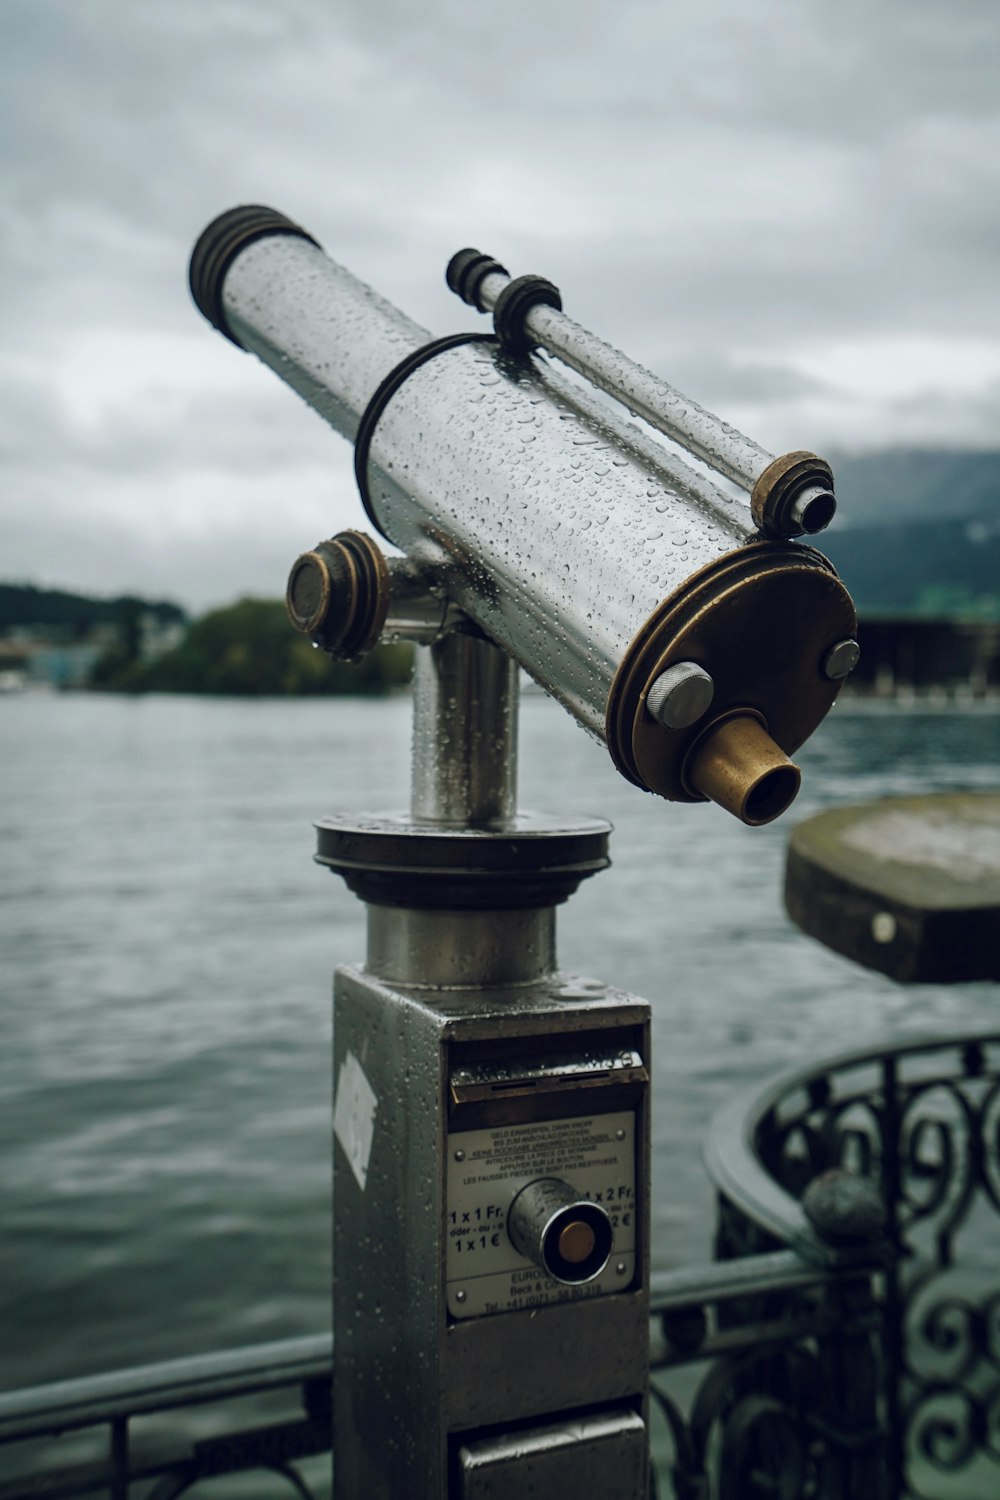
[55, 640]
[908, 658]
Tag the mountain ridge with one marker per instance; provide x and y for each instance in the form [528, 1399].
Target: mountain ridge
[915, 484]
[917, 531]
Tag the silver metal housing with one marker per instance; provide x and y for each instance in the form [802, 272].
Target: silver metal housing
[666, 408]
[556, 530]
[464, 733]
[570, 538]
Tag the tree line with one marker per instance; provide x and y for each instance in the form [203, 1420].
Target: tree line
[74, 615]
[249, 649]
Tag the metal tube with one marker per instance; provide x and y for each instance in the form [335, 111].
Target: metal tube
[327, 334]
[301, 286]
[660, 404]
[696, 488]
[464, 733]
[555, 532]
[419, 610]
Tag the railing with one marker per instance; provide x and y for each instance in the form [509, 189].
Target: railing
[816, 1360]
[700, 1328]
[104, 1434]
[922, 1122]
[748, 1375]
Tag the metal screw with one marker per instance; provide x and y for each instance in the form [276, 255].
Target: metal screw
[680, 695]
[621, 1268]
[460, 1296]
[619, 1135]
[813, 508]
[841, 660]
[459, 1155]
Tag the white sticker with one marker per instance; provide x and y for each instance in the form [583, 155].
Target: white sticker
[354, 1116]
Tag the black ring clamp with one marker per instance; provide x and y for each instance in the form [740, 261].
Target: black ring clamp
[383, 395]
[468, 269]
[514, 304]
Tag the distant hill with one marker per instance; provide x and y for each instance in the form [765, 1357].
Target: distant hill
[918, 532]
[66, 640]
[915, 484]
[21, 604]
[946, 569]
[137, 646]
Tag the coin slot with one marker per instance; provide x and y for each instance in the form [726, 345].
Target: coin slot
[577, 1244]
[565, 1234]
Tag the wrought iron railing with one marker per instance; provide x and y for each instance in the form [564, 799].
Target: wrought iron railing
[921, 1121]
[818, 1359]
[746, 1340]
[747, 1373]
[122, 1435]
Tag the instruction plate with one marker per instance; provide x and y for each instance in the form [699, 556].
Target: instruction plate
[594, 1154]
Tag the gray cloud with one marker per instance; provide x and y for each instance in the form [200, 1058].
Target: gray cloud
[716, 188]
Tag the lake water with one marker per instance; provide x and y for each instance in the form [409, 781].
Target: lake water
[167, 945]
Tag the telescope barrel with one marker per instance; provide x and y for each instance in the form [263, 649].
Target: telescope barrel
[266, 284]
[551, 521]
[789, 496]
[660, 404]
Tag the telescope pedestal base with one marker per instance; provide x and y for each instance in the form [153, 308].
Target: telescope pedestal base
[448, 1102]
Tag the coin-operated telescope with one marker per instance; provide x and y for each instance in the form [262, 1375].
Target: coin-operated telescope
[491, 1180]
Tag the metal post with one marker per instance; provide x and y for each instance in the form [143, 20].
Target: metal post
[119, 1456]
[464, 733]
[854, 1381]
[491, 1171]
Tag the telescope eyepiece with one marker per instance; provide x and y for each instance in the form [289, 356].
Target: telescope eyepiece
[466, 272]
[812, 510]
[794, 495]
[218, 246]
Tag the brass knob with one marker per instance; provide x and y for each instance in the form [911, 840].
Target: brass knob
[338, 594]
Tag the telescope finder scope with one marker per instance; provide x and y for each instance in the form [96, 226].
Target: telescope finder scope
[678, 623]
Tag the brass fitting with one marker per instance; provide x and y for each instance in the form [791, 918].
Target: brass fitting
[338, 594]
[759, 623]
[794, 496]
[737, 764]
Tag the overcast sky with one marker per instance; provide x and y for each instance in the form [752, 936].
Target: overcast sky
[789, 208]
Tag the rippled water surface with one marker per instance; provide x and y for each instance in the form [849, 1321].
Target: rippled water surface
[167, 945]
